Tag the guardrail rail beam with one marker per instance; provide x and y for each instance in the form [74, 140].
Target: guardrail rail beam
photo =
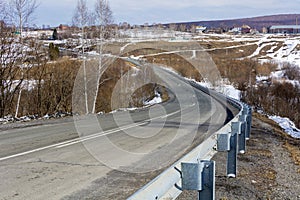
[196, 171]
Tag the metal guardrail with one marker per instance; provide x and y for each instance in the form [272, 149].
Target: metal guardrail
[196, 171]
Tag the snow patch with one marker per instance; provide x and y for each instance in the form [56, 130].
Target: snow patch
[224, 86]
[229, 90]
[288, 126]
[156, 100]
[123, 110]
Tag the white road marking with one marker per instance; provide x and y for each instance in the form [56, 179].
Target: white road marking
[78, 140]
[105, 133]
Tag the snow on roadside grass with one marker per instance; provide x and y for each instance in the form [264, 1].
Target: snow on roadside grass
[27, 118]
[231, 91]
[120, 110]
[223, 87]
[156, 100]
[288, 126]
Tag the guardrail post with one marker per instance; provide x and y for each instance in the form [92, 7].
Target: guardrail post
[200, 177]
[249, 122]
[232, 153]
[208, 181]
[223, 142]
[242, 135]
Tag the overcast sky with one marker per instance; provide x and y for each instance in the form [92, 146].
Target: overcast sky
[55, 12]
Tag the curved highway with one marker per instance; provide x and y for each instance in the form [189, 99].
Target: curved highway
[52, 162]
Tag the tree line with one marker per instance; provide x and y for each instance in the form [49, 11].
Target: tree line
[32, 78]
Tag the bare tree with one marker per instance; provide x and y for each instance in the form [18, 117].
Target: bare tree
[82, 18]
[182, 27]
[11, 80]
[21, 12]
[81, 15]
[193, 28]
[103, 13]
[173, 27]
[103, 18]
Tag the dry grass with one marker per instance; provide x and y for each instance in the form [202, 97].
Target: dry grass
[297, 47]
[266, 69]
[264, 51]
[261, 152]
[270, 174]
[294, 151]
[233, 53]
[218, 44]
[113, 74]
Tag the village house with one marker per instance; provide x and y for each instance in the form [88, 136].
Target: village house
[245, 29]
[63, 27]
[200, 29]
[285, 29]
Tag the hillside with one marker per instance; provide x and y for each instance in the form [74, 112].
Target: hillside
[255, 22]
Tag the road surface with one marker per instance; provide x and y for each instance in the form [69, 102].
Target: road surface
[52, 162]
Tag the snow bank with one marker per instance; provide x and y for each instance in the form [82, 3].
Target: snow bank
[156, 100]
[229, 90]
[288, 126]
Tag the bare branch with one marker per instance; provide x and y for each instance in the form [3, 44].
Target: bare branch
[82, 15]
[21, 11]
[103, 13]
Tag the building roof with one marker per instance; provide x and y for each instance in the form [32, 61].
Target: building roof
[286, 27]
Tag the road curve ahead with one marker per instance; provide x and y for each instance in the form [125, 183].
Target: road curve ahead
[112, 158]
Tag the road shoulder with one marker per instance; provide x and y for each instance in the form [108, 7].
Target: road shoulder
[270, 169]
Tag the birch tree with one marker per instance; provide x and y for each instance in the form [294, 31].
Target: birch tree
[103, 13]
[82, 18]
[21, 12]
[103, 17]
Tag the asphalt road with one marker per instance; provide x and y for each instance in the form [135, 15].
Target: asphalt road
[108, 156]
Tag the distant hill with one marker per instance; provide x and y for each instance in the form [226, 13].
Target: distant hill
[254, 22]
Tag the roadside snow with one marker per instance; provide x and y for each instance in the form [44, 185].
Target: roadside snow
[27, 118]
[156, 100]
[229, 90]
[288, 126]
[224, 87]
[121, 110]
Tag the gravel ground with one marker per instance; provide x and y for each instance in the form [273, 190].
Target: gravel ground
[266, 171]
